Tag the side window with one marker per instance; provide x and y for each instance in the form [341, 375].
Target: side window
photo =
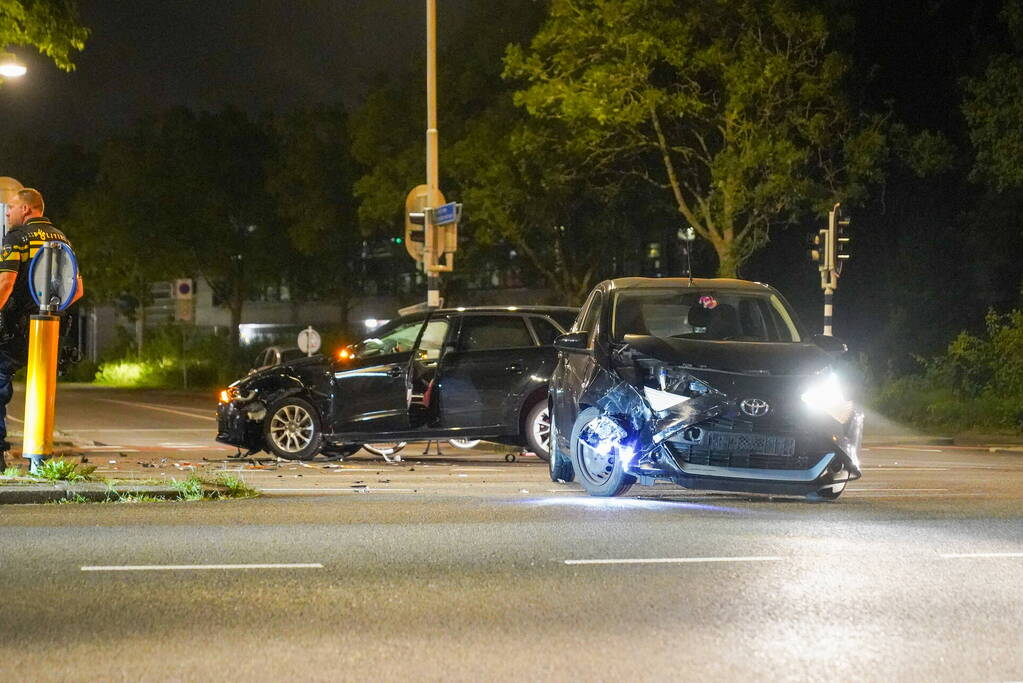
[481, 332]
[545, 330]
[433, 339]
[587, 320]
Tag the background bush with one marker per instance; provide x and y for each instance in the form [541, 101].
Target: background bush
[977, 384]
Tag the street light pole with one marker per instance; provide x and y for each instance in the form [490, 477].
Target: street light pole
[432, 159]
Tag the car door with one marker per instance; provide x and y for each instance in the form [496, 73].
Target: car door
[484, 377]
[576, 370]
[372, 390]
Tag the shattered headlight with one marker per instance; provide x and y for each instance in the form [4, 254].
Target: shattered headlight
[826, 394]
[673, 388]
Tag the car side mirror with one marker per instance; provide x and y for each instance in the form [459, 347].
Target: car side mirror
[830, 344]
[573, 342]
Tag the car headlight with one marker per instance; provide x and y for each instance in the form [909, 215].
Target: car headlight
[827, 395]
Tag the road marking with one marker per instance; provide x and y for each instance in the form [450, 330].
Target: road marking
[869, 489]
[677, 560]
[171, 567]
[907, 448]
[147, 429]
[311, 489]
[160, 408]
[958, 556]
[897, 468]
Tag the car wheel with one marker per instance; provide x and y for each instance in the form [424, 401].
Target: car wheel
[464, 443]
[538, 430]
[560, 466]
[600, 474]
[292, 429]
[384, 448]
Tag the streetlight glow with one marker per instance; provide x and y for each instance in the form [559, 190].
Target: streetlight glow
[12, 69]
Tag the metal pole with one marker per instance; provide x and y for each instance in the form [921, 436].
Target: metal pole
[432, 158]
[828, 310]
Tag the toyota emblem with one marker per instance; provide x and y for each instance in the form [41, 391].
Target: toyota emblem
[754, 407]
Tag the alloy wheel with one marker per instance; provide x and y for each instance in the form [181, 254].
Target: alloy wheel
[292, 428]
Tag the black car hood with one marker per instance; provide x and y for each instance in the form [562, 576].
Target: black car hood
[733, 356]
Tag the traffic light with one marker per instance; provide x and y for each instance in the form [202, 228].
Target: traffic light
[816, 242]
[397, 240]
[415, 219]
[842, 254]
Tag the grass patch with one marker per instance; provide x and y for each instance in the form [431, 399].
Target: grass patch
[11, 472]
[59, 469]
[221, 487]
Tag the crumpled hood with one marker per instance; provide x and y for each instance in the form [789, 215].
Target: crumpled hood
[734, 356]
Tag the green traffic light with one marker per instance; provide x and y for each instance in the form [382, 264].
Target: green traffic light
[397, 240]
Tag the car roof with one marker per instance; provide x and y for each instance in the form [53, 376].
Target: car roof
[540, 310]
[684, 282]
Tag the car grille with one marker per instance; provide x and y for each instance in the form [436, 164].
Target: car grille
[728, 441]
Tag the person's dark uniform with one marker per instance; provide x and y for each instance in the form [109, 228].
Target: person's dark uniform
[19, 247]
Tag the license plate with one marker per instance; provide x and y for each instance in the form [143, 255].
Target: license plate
[751, 444]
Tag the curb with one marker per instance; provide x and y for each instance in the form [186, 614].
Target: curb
[26, 494]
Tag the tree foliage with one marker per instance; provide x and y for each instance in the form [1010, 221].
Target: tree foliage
[50, 26]
[733, 107]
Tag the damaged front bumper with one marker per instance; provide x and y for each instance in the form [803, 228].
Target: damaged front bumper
[706, 443]
[241, 424]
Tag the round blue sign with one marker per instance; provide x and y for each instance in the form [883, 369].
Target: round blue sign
[55, 282]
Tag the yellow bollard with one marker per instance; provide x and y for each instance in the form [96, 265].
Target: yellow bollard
[41, 388]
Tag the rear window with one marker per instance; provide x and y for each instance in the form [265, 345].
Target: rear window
[714, 315]
[494, 332]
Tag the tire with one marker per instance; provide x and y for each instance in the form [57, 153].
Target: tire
[560, 467]
[538, 430]
[464, 443]
[292, 429]
[600, 475]
[384, 448]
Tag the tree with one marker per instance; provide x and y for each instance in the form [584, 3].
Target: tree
[184, 194]
[993, 107]
[311, 180]
[733, 107]
[51, 26]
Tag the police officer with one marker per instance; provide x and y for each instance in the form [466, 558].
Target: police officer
[28, 230]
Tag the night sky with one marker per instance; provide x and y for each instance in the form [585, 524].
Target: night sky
[146, 55]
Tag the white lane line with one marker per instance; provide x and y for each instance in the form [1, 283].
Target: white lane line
[966, 556]
[908, 448]
[478, 469]
[147, 429]
[677, 560]
[160, 408]
[871, 490]
[345, 490]
[171, 567]
[908, 469]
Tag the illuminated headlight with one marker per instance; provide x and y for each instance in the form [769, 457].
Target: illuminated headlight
[827, 395]
[227, 395]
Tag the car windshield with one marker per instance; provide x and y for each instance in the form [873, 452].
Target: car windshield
[709, 314]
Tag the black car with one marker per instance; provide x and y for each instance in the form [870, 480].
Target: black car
[467, 373]
[710, 384]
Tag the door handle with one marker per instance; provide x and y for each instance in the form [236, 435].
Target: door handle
[514, 368]
[395, 371]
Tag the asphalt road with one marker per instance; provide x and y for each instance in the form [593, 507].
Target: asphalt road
[465, 567]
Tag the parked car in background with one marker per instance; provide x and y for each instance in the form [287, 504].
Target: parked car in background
[465, 373]
[275, 355]
[711, 384]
